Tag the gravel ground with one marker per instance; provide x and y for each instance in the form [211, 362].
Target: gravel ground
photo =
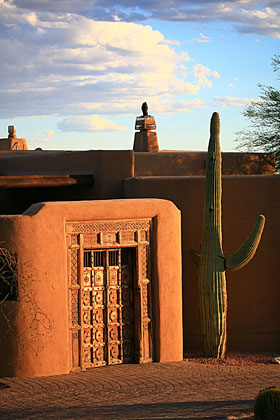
[234, 359]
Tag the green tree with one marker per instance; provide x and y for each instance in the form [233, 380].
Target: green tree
[264, 115]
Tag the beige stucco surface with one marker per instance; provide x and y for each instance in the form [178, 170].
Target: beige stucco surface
[37, 338]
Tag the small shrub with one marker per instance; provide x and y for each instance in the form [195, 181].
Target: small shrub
[8, 275]
[267, 404]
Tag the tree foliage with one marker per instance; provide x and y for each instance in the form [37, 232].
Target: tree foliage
[264, 115]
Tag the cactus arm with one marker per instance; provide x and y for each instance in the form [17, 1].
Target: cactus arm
[246, 252]
[195, 256]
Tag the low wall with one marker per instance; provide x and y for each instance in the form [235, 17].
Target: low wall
[108, 168]
[254, 291]
[37, 336]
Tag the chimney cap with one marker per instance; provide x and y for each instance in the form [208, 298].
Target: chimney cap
[12, 130]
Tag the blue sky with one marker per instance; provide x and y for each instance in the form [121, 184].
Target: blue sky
[74, 73]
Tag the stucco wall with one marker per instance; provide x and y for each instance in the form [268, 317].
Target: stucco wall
[38, 342]
[109, 168]
[254, 291]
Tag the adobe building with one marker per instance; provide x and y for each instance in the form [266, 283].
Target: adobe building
[102, 242]
[12, 142]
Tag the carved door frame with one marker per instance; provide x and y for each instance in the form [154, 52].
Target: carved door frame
[105, 235]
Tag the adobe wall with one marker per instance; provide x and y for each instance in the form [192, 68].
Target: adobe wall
[37, 343]
[194, 163]
[108, 168]
[254, 291]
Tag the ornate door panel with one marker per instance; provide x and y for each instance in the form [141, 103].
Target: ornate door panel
[114, 309]
[110, 293]
[107, 307]
[127, 298]
[93, 310]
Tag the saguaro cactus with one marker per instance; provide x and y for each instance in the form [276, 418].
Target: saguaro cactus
[211, 261]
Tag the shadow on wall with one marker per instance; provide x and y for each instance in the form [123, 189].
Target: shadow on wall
[248, 164]
[194, 164]
[18, 200]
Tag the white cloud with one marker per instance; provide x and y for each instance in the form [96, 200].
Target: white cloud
[202, 39]
[170, 42]
[202, 73]
[247, 16]
[60, 65]
[157, 105]
[49, 133]
[229, 101]
[185, 56]
[206, 38]
[164, 106]
[31, 18]
[88, 124]
[59, 61]
[262, 22]
[232, 85]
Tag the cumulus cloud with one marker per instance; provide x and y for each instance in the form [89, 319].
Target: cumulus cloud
[202, 74]
[88, 124]
[61, 60]
[58, 64]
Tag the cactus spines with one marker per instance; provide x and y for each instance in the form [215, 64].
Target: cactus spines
[211, 261]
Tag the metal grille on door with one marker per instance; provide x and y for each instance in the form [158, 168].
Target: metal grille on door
[107, 307]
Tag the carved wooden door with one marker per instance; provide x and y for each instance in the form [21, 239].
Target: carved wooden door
[110, 292]
[107, 307]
